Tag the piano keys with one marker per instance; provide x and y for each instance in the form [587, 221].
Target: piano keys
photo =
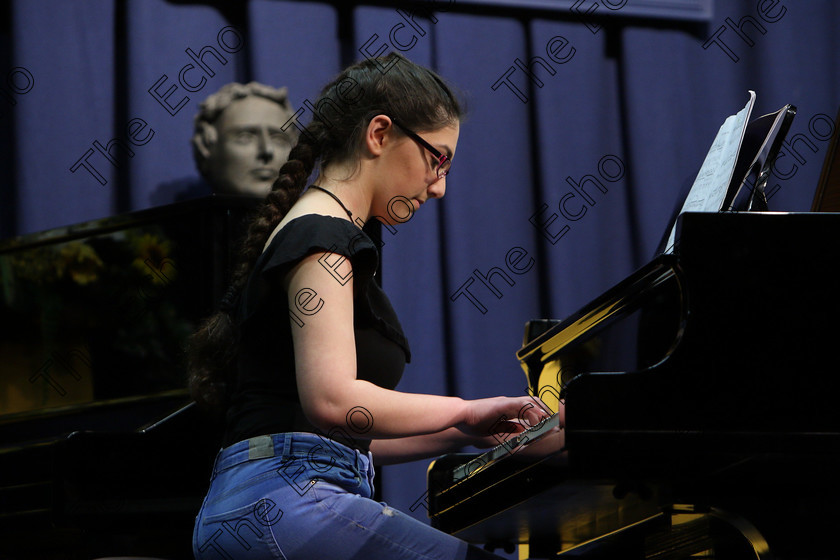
[701, 406]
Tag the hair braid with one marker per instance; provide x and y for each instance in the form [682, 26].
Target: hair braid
[212, 348]
[285, 191]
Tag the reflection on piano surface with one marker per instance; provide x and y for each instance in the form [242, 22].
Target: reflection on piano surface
[701, 406]
[101, 451]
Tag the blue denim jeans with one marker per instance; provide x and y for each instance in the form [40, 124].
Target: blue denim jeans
[300, 496]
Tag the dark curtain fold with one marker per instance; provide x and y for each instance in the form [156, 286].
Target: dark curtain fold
[562, 185]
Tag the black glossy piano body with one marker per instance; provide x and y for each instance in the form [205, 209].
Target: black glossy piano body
[102, 452]
[702, 391]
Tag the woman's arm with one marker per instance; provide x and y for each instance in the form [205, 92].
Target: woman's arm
[332, 396]
[392, 451]
[414, 448]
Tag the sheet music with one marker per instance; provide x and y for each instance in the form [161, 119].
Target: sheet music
[709, 188]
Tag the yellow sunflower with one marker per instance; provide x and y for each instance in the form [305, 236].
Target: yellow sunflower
[152, 258]
[80, 262]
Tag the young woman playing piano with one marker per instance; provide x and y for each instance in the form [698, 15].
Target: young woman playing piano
[306, 352]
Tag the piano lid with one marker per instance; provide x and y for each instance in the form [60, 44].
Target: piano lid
[607, 334]
[741, 320]
[98, 312]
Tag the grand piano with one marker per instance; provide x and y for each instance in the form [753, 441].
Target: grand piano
[701, 406]
[102, 452]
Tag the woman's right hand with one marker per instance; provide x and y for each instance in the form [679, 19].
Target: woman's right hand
[500, 416]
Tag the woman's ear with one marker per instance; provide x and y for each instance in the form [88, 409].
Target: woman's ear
[378, 134]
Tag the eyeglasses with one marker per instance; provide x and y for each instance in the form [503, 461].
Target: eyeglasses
[444, 163]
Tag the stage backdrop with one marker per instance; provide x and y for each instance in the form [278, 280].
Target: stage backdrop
[583, 130]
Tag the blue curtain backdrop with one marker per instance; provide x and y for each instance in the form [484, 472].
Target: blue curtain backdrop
[619, 115]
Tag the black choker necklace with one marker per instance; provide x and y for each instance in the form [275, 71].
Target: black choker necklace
[349, 214]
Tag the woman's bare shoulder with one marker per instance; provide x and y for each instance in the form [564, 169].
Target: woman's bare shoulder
[305, 206]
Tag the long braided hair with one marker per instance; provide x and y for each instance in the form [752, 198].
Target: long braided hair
[391, 85]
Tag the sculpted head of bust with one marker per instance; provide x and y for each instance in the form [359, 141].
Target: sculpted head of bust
[238, 141]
